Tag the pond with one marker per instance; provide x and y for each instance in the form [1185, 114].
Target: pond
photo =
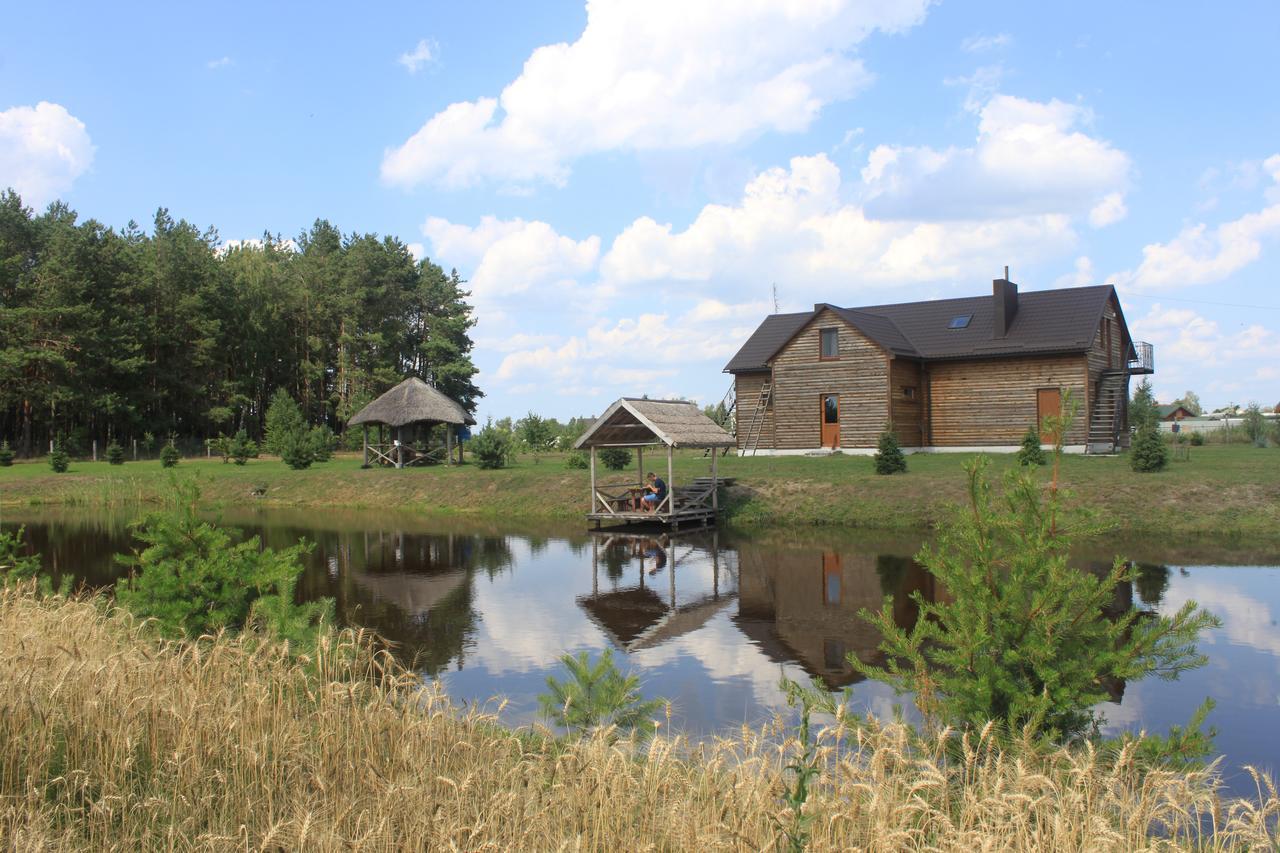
[710, 620]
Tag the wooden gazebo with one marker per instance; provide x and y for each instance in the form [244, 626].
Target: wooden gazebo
[402, 416]
[637, 424]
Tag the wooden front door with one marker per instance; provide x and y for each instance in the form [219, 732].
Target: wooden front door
[830, 414]
[1048, 403]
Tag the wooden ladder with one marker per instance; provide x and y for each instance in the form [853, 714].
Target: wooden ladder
[756, 426]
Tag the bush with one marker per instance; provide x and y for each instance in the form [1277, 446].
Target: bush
[1196, 439]
[115, 453]
[615, 458]
[595, 697]
[491, 446]
[58, 459]
[169, 456]
[1255, 425]
[6, 455]
[579, 459]
[323, 441]
[15, 564]
[1022, 639]
[220, 446]
[297, 449]
[193, 580]
[889, 457]
[284, 421]
[1031, 453]
[243, 448]
[1149, 452]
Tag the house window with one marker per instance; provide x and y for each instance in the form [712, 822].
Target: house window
[960, 322]
[909, 392]
[830, 343]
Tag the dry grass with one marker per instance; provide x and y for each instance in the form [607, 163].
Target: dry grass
[111, 739]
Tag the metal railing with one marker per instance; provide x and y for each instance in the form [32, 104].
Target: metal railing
[1145, 358]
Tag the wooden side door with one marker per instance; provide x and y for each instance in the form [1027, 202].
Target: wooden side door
[1048, 403]
[829, 413]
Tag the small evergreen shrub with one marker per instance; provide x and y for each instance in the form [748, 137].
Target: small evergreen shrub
[243, 448]
[115, 453]
[491, 446]
[889, 456]
[297, 449]
[1149, 453]
[169, 455]
[1031, 453]
[1196, 439]
[597, 696]
[323, 442]
[15, 563]
[615, 458]
[221, 446]
[58, 459]
[578, 459]
[6, 455]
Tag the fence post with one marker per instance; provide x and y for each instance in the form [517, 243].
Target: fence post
[135, 450]
[95, 450]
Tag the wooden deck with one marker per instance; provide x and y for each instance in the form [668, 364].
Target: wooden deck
[693, 505]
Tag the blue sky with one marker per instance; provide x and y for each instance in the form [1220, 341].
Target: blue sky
[625, 183]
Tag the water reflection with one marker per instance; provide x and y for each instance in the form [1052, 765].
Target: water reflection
[708, 620]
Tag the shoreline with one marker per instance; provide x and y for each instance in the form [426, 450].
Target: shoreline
[1223, 492]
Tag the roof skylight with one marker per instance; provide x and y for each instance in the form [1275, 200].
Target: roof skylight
[960, 322]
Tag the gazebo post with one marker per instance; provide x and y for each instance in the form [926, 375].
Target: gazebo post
[448, 444]
[592, 510]
[399, 447]
[671, 482]
[366, 445]
[715, 482]
[640, 463]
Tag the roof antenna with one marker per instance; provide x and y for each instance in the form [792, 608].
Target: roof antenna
[775, 297]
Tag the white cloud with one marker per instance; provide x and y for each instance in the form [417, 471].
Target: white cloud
[1108, 211]
[219, 63]
[508, 257]
[651, 76]
[1030, 156]
[417, 250]
[979, 44]
[422, 53]
[1201, 255]
[1184, 336]
[1082, 275]
[43, 149]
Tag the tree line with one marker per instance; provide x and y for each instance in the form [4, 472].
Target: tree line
[121, 334]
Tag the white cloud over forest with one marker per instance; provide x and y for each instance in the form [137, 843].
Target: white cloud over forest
[43, 150]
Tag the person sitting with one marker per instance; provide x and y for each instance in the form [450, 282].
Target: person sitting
[654, 492]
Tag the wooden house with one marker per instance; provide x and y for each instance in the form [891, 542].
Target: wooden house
[1174, 412]
[948, 374]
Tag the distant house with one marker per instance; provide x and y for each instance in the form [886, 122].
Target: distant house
[1174, 412]
[946, 374]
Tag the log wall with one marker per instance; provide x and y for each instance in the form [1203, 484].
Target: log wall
[859, 376]
[993, 401]
[907, 413]
[746, 387]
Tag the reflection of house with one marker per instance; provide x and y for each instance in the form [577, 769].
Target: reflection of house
[945, 373]
[802, 604]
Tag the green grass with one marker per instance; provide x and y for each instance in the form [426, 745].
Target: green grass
[1222, 490]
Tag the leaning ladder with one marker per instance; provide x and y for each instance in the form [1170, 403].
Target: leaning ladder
[756, 426]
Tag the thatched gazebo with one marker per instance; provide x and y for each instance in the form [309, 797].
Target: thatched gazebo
[409, 411]
[638, 424]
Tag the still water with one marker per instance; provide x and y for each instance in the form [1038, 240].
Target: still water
[709, 620]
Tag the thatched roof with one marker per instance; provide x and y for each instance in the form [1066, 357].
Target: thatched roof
[412, 401]
[634, 423]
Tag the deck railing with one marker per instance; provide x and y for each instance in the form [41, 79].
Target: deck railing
[1145, 358]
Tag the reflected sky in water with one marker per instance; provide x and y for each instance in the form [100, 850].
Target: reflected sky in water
[709, 621]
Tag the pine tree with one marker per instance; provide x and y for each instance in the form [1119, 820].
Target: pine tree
[889, 456]
[58, 459]
[115, 453]
[284, 422]
[1143, 406]
[169, 455]
[6, 455]
[595, 696]
[1031, 452]
[1149, 453]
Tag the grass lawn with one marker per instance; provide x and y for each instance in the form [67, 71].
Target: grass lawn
[1220, 490]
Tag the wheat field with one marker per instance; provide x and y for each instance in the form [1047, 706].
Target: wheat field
[114, 740]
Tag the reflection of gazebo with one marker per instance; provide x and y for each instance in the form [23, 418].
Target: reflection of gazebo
[411, 409]
[638, 424]
[636, 618]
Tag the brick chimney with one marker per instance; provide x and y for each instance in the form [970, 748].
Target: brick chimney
[1004, 295]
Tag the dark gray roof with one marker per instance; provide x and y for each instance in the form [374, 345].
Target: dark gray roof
[1047, 321]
